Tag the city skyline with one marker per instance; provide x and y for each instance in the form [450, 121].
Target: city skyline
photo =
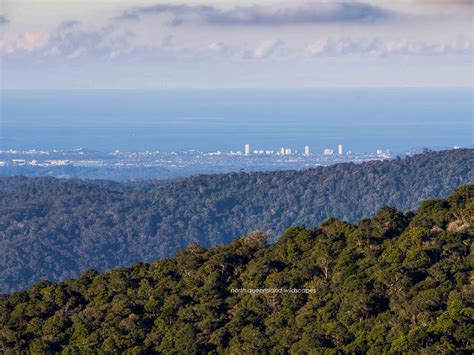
[290, 151]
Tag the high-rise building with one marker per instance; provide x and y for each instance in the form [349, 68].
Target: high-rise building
[247, 149]
[282, 151]
[339, 149]
[306, 150]
[328, 151]
[288, 151]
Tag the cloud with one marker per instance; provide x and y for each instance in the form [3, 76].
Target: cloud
[26, 42]
[74, 39]
[269, 48]
[220, 48]
[377, 48]
[306, 13]
[445, 2]
[328, 47]
[70, 40]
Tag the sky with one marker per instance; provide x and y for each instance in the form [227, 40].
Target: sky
[150, 44]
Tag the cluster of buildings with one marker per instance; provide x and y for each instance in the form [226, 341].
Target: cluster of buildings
[289, 151]
[21, 162]
[34, 162]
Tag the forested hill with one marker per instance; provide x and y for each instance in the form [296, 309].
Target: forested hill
[395, 283]
[55, 229]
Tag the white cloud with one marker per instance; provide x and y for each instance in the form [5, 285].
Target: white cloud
[379, 48]
[221, 48]
[269, 48]
[70, 40]
[25, 42]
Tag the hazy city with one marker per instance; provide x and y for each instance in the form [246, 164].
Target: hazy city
[122, 165]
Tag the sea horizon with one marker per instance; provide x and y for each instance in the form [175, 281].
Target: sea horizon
[363, 120]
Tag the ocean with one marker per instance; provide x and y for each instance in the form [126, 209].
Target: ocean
[363, 120]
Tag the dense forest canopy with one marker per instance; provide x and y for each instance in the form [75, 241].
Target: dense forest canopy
[57, 228]
[397, 282]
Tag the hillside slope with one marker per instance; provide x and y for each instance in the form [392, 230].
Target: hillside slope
[55, 229]
[397, 283]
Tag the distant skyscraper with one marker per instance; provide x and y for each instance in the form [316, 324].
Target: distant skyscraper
[339, 149]
[306, 150]
[282, 151]
[247, 149]
[328, 151]
[287, 151]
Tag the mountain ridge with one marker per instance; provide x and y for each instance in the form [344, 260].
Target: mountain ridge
[55, 229]
[393, 283]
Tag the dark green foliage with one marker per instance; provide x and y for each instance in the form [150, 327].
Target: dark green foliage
[56, 229]
[390, 284]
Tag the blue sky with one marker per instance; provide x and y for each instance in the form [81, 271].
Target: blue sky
[149, 44]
